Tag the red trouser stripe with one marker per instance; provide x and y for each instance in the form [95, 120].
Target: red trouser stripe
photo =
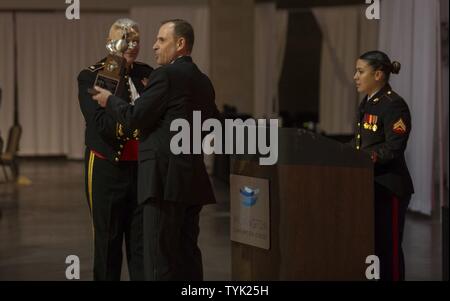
[395, 241]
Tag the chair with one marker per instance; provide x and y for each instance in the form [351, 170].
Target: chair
[1, 144]
[9, 157]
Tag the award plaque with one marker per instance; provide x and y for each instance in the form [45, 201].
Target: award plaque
[110, 77]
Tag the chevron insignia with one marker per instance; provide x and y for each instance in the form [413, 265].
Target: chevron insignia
[399, 127]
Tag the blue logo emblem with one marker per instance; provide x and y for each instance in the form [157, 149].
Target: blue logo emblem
[249, 196]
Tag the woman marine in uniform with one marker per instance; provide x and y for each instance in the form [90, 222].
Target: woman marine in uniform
[383, 129]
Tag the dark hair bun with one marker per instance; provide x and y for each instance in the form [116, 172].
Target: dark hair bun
[396, 66]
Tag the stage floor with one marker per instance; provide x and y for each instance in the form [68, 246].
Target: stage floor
[44, 222]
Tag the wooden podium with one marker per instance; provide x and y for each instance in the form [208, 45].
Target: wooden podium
[320, 211]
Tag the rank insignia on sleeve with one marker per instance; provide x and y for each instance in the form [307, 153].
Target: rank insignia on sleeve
[399, 127]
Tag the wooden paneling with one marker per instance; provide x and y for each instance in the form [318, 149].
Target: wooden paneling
[321, 224]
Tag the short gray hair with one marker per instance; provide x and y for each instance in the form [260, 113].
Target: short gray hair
[124, 22]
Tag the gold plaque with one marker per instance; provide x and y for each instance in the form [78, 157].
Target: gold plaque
[110, 78]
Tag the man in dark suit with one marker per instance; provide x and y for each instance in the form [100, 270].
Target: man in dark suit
[173, 187]
[111, 167]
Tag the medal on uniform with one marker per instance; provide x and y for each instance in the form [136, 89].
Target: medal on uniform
[366, 119]
[375, 120]
[370, 123]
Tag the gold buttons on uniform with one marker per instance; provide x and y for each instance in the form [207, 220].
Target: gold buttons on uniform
[357, 147]
[119, 153]
[389, 92]
[121, 146]
[116, 159]
[359, 136]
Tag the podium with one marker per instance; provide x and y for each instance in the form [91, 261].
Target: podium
[315, 219]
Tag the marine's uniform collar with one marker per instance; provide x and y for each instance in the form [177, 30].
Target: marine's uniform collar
[375, 99]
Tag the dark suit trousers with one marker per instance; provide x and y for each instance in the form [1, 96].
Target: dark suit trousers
[390, 212]
[170, 241]
[112, 197]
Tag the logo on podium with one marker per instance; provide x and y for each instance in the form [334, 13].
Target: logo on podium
[250, 211]
[249, 196]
